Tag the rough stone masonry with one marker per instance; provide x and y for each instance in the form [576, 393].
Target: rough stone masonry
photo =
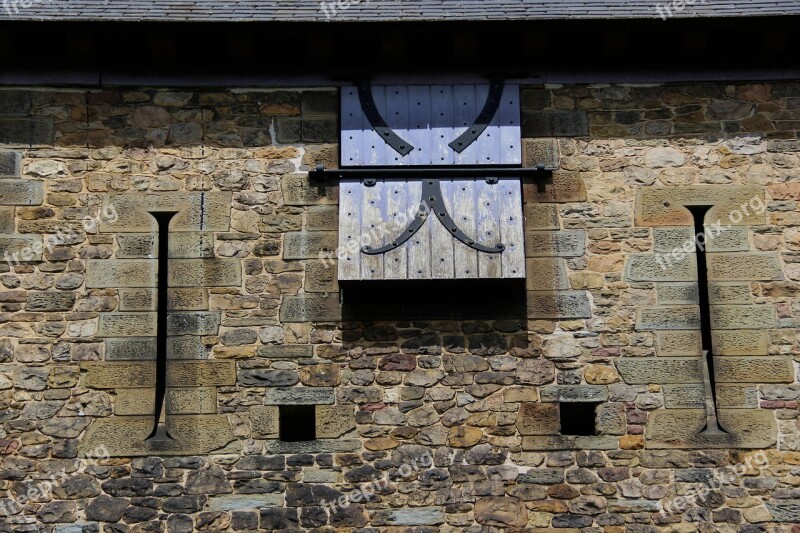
[256, 324]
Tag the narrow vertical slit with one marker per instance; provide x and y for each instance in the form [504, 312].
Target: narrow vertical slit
[709, 379]
[160, 433]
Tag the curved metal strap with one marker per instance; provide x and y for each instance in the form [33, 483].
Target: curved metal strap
[433, 199]
[378, 123]
[484, 119]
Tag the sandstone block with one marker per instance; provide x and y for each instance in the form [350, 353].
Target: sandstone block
[197, 211]
[127, 325]
[299, 396]
[132, 349]
[541, 216]
[737, 205]
[727, 240]
[569, 442]
[667, 239]
[314, 446]
[732, 317]
[785, 511]
[565, 243]
[299, 190]
[201, 373]
[21, 192]
[50, 301]
[740, 342]
[684, 396]
[322, 218]
[655, 267]
[119, 375]
[744, 267]
[680, 428]
[537, 152]
[205, 273]
[21, 248]
[558, 123]
[297, 309]
[264, 421]
[321, 277]
[10, 163]
[564, 305]
[125, 273]
[27, 131]
[767, 369]
[6, 221]
[721, 292]
[672, 317]
[677, 294]
[677, 343]
[192, 434]
[334, 421]
[610, 419]
[737, 397]
[243, 502]
[560, 187]
[286, 351]
[647, 370]
[538, 419]
[309, 244]
[574, 393]
[548, 273]
[193, 323]
[412, 516]
[180, 401]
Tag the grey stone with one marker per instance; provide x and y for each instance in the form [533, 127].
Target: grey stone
[205, 273]
[298, 190]
[684, 396]
[729, 293]
[10, 163]
[299, 396]
[563, 305]
[193, 323]
[667, 239]
[268, 378]
[309, 244]
[314, 446]
[240, 502]
[21, 248]
[565, 243]
[27, 131]
[286, 351]
[555, 123]
[734, 317]
[50, 301]
[569, 442]
[21, 192]
[574, 393]
[298, 309]
[657, 267]
[412, 516]
[677, 294]
[126, 325]
[767, 369]
[647, 370]
[785, 511]
[674, 317]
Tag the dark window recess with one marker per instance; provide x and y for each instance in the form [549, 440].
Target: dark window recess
[297, 423]
[578, 418]
[159, 432]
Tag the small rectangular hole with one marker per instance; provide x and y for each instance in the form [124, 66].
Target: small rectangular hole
[578, 418]
[297, 423]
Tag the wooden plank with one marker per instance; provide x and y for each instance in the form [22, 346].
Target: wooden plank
[463, 210]
[508, 122]
[512, 231]
[395, 263]
[349, 229]
[419, 246]
[396, 116]
[464, 113]
[442, 241]
[419, 124]
[352, 127]
[372, 229]
[442, 130]
[489, 265]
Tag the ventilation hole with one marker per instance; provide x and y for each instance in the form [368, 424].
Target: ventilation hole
[297, 423]
[578, 418]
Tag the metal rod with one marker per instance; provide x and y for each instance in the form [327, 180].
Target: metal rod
[428, 172]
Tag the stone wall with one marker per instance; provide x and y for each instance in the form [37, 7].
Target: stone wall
[446, 425]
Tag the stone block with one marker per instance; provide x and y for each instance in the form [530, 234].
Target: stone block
[136, 246]
[319, 102]
[322, 218]
[541, 216]
[318, 475]
[740, 342]
[299, 396]
[555, 123]
[298, 189]
[767, 369]
[566, 243]
[21, 248]
[309, 244]
[727, 240]
[721, 292]
[321, 277]
[264, 421]
[547, 273]
[656, 267]
[563, 305]
[542, 443]
[677, 343]
[193, 323]
[690, 396]
[243, 502]
[744, 267]
[191, 401]
[127, 325]
[131, 375]
[288, 130]
[784, 511]
[574, 393]
[647, 370]
[205, 273]
[314, 446]
[123, 273]
[135, 402]
[201, 373]
[196, 211]
[667, 240]
[191, 245]
[680, 428]
[733, 204]
[560, 187]
[50, 301]
[27, 131]
[179, 299]
[737, 397]
[21, 192]
[728, 317]
[13, 102]
[6, 221]
[538, 419]
[410, 516]
[186, 347]
[298, 309]
[668, 318]
[610, 419]
[137, 300]
[677, 294]
[334, 421]
[537, 152]
[192, 435]
[286, 351]
[10, 163]
[132, 349]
